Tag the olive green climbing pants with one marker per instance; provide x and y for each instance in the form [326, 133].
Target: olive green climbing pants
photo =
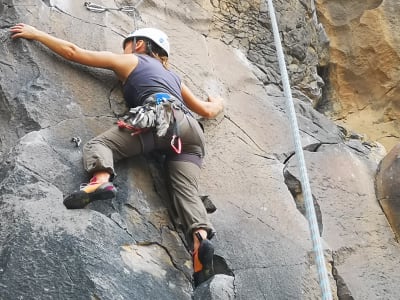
[183, 169]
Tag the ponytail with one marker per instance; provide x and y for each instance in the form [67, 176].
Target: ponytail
[153, 50]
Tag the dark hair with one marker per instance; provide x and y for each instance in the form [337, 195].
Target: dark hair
[153, 50]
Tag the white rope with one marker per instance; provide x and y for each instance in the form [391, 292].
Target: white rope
[311, 216]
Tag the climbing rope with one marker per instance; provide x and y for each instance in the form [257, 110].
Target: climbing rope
[311, 216]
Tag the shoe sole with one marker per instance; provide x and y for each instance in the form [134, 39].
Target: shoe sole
[80, 199]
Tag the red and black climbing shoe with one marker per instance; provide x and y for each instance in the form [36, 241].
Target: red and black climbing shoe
[203, 261]
[89, 193]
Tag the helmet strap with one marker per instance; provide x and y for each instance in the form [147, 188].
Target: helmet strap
[134, 44]
[149, 48]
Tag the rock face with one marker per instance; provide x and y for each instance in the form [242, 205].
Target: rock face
[363, 74]
[245, 25]
[128, 248]
[387, 187]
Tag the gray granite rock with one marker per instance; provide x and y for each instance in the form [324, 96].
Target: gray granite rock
[128, 248]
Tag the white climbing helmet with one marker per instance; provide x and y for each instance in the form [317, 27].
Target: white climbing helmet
[156, 35]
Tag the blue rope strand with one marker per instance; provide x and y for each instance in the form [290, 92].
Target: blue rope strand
[311, 216]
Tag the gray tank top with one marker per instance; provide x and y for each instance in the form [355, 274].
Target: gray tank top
[150, 77]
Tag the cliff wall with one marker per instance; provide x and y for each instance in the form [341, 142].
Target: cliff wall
[128, 247]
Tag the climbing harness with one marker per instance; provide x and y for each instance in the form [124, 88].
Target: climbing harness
[311, 216]
[157, 111]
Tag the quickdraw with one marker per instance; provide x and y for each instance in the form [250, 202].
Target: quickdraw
[100, 8]
[157, 112]
[97, 8]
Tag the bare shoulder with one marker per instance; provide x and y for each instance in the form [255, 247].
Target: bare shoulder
[121, 64]
[124, 64]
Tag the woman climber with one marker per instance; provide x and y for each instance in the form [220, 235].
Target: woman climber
[157, 96]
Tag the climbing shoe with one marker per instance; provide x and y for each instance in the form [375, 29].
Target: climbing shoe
[203, 261]
[90, 193]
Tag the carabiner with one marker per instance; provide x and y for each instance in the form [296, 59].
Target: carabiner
[94, 7]
[178, 148]
[100, 8]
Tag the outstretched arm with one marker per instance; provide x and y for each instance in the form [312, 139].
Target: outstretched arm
[207, 109]
[100, 59]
